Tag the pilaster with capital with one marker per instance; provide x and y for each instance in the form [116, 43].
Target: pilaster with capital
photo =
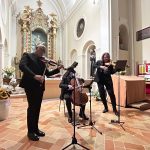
[52, 36]
[24, 21]
[1, 45]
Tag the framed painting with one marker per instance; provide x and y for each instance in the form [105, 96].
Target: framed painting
[143, 34]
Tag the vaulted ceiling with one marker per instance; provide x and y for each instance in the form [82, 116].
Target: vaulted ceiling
[61, 7]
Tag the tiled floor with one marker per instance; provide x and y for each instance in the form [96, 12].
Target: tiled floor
[134, 136]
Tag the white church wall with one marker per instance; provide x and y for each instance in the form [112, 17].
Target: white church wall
[141, 21]
[123, 20]
[104, 28]
[4, 24]
[3, 18]
[114, 10]
[91, 15]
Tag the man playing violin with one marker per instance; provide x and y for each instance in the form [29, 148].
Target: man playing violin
[33, 82]
[103, 78]
[67, 91]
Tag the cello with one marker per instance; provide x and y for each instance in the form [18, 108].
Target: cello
[78, 98]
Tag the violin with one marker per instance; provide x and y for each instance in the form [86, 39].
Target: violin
[110, 63]
[48, 61]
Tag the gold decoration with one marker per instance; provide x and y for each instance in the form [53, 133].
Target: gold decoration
[52, 36]
[25, 18]
[4, 94]
[24, 21]
[39, 20]
[17, 70]
[31, 20]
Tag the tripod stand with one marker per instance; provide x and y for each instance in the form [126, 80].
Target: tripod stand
[91, 123]
[120, 66]
[74, 140]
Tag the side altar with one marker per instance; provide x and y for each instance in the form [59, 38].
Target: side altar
[33, 28]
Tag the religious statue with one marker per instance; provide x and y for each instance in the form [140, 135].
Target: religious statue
[121, 42]
[53, 20]
[93, 60]
[17, 71]
[25, 17]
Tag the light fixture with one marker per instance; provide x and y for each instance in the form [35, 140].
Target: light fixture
[93, 1]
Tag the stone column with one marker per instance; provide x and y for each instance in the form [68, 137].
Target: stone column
[1, 64]
[52, 37]
[104, 27]
[24, 21]
[65, 49]
[114, 29]
[51, 44]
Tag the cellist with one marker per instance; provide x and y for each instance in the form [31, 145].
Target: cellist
[67, 91]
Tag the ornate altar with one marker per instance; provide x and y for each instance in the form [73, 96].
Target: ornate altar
[37, 29]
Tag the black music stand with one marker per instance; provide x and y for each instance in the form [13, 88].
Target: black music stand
[91, 123]
[120, 66]
[74, 140]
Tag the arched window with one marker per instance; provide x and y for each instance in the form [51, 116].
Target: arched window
[123, 38]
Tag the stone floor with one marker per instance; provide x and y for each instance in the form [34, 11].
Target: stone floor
[134, 134]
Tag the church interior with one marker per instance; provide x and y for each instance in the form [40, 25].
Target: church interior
[77, 31]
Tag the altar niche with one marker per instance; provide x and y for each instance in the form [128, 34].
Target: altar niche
[38, 36]
[37, 28]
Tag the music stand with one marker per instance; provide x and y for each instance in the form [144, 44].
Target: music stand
[120, 66]
[74, 140]
[91, 123]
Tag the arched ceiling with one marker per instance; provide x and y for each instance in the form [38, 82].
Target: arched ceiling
[69, 4]
[60, 7]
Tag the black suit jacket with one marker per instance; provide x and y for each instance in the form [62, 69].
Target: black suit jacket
[30, 65]
[101, 75]
[65, 92]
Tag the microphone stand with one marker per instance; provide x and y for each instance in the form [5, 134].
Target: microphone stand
[91, 123]
[119, 110]
[74, 140]
[120, 66]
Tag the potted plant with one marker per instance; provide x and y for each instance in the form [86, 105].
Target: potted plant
[4, 103]
[96, 95]
[8, 73]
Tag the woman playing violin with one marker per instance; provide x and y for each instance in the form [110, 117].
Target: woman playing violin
[104, 80]
[66, 93]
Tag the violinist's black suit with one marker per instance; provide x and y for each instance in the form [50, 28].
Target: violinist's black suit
[31, 65]
[103, 78]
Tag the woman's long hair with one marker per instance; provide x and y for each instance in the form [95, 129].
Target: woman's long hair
[106, 53]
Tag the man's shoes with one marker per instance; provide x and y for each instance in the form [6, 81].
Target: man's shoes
[40, 133]
[33, 136]
[105, 110]
[70, 120]
[116, 112]
[83, 116]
